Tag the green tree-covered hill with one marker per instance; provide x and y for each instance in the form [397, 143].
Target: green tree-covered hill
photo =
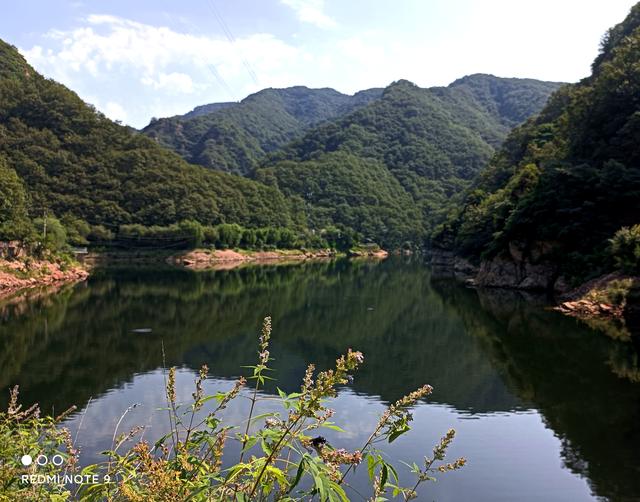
[424, 145]
[377, 166]
[60, 156]
[233, 137]
[570, 177]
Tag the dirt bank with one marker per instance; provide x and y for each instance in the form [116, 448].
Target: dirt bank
[228, 258]
[16, 275]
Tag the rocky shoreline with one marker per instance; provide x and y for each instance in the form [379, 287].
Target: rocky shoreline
[614, 296]
[16, 275]
[227, 258]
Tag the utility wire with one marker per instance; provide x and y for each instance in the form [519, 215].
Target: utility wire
[214, 71]
[232, 39]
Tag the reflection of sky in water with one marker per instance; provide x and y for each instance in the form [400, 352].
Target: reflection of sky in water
[537, 398]
[512, 455]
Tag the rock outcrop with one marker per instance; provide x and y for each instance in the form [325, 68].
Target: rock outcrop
[445, 263]
[16, 275]
[522, 267]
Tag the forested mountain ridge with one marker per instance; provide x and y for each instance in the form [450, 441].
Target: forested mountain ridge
[383, 171]
[426, 144]
[565, 181]
[508, 101]
[66, 159]
[233, 137]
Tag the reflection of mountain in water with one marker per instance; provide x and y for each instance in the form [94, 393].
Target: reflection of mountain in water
[482, 351]
[573, 376]
[80, 341]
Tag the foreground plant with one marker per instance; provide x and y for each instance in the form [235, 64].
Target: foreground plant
[282, 457]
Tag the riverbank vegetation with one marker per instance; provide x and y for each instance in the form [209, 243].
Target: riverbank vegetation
[282, 454]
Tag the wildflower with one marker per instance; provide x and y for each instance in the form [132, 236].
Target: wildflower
[453, 466]
[229, 396]
[265, 336]
[341, 456]
[307, 381]
[271, 422]
[171, 385]
[198, 394]
[440, 449]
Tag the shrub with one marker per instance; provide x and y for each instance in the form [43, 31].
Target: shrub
[625, 249]
[51, 234]
[187, 463]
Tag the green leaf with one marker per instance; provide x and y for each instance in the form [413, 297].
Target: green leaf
[394, 473]
[212, 422]
[371, 464]
[329, 425]
[266, 447]
[263, 415]
[160, 441]
[384, 475]
[338, 490]
[299, 473]
[251, 442]
[399, 431]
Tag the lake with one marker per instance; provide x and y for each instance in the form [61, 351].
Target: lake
[545, 408]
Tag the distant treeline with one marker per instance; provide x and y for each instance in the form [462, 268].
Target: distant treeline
[58, 235]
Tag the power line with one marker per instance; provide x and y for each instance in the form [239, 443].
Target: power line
[214, 71]
[232, 40]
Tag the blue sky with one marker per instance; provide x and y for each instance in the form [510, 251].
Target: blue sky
[138, 59]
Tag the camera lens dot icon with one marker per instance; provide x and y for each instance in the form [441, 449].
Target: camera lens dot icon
[26, 460]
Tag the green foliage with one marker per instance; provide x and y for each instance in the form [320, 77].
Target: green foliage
[24, 432]
[280, 460]
[388, 170]
[77, 230]
[235, 136]
[569, 177]
[14, 218]
[191, 234]
[229, 236]
[625, 249]
[343, 190]
[51, 233]
[74, 161]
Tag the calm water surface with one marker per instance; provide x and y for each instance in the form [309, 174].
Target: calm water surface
[545, 408]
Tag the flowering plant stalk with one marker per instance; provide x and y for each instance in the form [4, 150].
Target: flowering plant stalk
[282, 456]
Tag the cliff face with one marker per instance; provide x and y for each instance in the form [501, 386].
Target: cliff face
[445, 263]
[522, 266]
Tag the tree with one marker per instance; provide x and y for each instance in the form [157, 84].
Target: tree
[51, 233]
[230, 235]
[14, 220]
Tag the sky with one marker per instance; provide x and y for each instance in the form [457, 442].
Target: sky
[138, 59]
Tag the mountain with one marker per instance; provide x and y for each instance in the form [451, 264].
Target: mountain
[565, 181]
[423, 145]
[233, 137]
[378, 166]
[62, 157]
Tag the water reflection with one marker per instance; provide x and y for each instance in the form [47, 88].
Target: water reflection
[490, 355]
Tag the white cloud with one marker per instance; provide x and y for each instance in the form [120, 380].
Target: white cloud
[312, 12]
[115, 111]
[113, 54]
[174, 82]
